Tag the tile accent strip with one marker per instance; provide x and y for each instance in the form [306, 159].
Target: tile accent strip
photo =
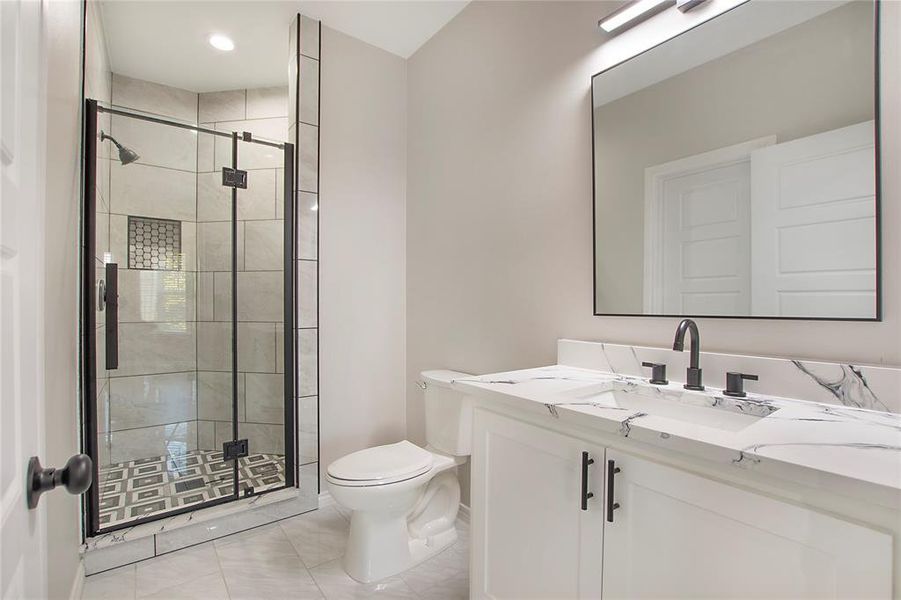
[303, 127]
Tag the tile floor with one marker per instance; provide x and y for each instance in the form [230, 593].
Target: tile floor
[158, 484]
[298, 557]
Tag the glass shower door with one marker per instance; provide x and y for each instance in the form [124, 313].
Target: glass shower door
[189, 316]
[263, 284]
[159, 342]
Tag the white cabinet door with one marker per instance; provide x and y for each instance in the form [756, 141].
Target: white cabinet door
[530, 536]
[678, 535]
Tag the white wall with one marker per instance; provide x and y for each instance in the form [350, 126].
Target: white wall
[362, 246]
[499, 202]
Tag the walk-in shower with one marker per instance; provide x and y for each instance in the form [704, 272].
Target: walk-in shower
[188, 296]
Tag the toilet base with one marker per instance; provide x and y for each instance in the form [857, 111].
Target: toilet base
[383, 543]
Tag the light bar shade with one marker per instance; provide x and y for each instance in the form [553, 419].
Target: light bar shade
[632, 13]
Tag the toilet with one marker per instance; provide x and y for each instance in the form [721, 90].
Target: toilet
[404, 497]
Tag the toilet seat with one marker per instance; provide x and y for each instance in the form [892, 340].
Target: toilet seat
[380, 465]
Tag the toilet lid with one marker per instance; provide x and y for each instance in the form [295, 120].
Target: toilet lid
[391, 462]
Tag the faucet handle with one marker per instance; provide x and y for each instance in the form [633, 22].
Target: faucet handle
[735, 384]
[658, 372]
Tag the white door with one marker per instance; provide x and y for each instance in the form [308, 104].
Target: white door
[698, 233]
[814, 226]
[678, 535]
[22, 151]
[530, 536]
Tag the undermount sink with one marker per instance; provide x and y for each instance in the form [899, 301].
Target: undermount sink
[696, 408]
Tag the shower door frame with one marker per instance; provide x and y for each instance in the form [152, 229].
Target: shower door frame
[88, 341]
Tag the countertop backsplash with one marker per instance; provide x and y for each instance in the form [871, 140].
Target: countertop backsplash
[873, 388]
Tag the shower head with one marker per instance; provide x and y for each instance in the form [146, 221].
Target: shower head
[126, 155]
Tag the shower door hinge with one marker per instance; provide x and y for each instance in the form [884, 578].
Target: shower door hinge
[235, 178]
[234, 449]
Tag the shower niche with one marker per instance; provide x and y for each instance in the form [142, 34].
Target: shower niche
[188, 375]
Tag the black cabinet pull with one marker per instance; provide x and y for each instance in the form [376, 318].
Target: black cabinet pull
[111, 301]
[586, 461]
[612, 470]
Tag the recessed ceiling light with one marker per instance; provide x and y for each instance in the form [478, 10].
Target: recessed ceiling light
[222, 42]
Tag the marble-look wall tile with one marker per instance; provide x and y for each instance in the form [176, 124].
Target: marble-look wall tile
[309, 37]
[307, 362]
[309, 91]
[206, 159]
[214, 346]
[222, 106]
[280, 347]
[252, 156]
[205, 292]
[308, 176]
[264, 245]
[175, 439]
[214, 246]
[307, 293]
[148, 400]
[118, 239]
[261, 437]
[148, 348]
[214, 396]
[206, 435]
[308, 434]
[280, 194]
[154, 98]
[265, 398]
[155, 296]
[149, 191]
[260, 296]
[189, 246]
[264, 103]
[307, 226]
[256, 347]
[256, 202]
[157, 145]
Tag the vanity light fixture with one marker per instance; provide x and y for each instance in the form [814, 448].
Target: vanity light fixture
[633, 13]
[222, 42]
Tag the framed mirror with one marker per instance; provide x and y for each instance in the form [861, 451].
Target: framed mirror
[736, 168]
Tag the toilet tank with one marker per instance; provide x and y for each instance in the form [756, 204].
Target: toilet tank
[448, 413]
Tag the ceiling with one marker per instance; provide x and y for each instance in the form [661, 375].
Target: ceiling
[166, 41]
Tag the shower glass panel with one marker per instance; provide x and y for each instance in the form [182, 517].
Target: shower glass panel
[170, 398]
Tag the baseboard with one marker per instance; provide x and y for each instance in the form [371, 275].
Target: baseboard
[463, 515]
[78, 584]
[325, 499]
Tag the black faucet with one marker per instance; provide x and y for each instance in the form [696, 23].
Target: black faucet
[693, 374]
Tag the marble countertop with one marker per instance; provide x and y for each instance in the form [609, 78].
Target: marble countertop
[853, 452]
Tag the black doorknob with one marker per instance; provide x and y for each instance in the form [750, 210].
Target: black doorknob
[76, 477]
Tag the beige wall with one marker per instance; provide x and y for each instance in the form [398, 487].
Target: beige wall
[62, 23]
[773, 87]
[499, 204]
[362, 245]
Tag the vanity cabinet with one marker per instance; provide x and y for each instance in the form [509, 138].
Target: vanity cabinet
[673, 534]
[531, 537]
[679, 535]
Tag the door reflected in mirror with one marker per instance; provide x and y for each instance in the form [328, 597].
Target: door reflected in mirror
[735, 168]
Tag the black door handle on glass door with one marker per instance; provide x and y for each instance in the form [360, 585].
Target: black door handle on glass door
[586, 461]
[612, 470]
[111, 300]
